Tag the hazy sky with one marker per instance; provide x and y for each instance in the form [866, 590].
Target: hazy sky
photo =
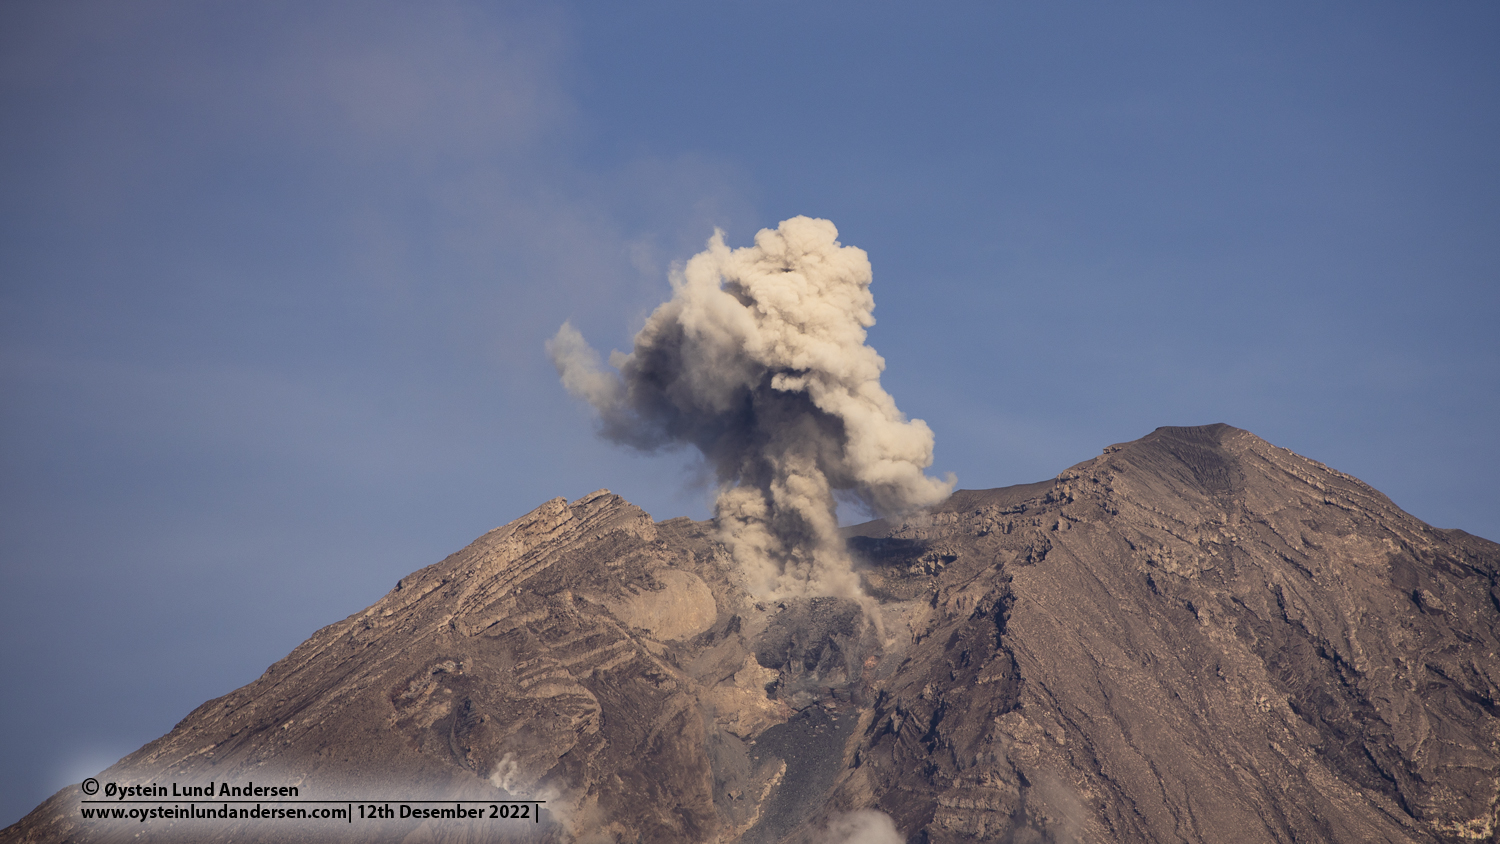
[275, 278]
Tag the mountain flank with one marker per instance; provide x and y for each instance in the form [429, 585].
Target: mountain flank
[1193, 637]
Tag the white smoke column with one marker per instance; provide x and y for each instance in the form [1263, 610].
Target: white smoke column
[759, 361]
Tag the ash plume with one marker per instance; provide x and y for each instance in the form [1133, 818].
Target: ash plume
[759, 361]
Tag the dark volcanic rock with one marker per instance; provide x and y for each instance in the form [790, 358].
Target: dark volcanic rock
[1196, 637]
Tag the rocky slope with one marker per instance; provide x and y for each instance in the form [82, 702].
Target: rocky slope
[1193, 637]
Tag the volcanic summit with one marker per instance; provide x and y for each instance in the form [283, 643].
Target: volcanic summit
[1196, 636]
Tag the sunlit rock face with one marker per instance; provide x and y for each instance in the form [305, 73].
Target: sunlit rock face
[1195, 636]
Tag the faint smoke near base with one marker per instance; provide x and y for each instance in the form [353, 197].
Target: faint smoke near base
[759, 361]
[866, 826]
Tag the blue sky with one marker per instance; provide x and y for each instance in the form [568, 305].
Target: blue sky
[275, 277]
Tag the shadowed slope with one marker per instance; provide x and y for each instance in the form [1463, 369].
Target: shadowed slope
[1193, 637]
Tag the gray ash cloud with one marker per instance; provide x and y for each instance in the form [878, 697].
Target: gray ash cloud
[759, 361]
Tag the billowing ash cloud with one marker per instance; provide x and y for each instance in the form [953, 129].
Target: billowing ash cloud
[759, 361]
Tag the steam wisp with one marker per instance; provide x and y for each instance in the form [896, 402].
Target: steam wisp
[759, 361]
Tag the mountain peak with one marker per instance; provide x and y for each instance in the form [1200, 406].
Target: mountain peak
[1194, 636]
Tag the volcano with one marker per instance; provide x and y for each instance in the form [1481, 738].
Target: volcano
[1196, 636]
